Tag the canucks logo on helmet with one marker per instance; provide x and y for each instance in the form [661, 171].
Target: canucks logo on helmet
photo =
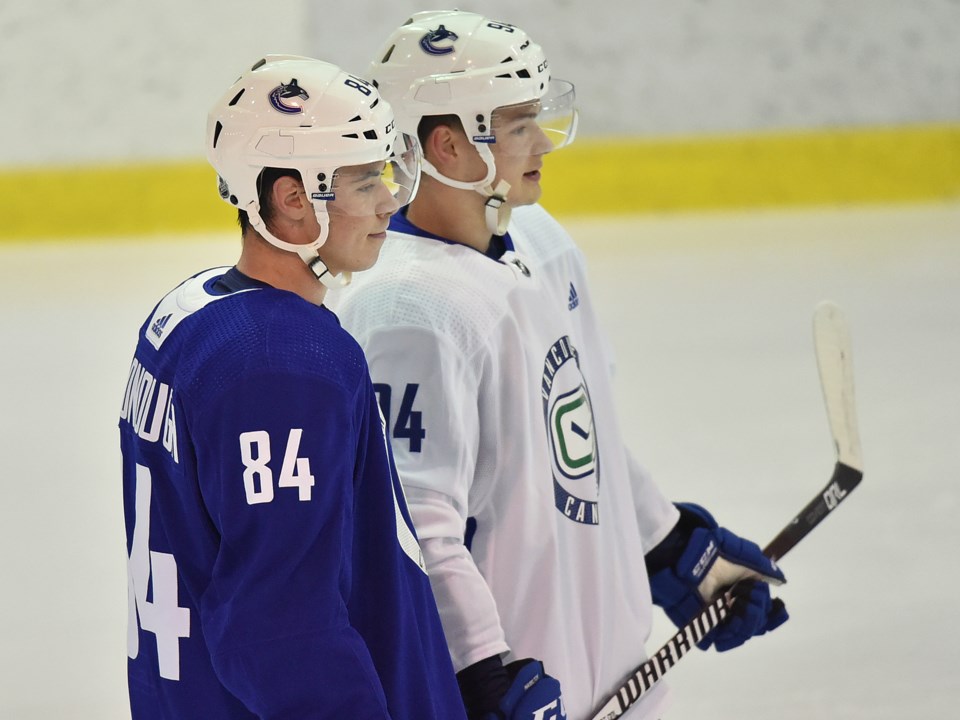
[428, 41]
[285, 92]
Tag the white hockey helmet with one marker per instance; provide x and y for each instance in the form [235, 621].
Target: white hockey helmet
[310, 116]
[451, 62]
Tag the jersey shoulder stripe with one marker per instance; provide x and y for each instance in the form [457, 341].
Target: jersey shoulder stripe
[181, 302]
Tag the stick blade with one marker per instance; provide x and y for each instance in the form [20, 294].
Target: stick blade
[831, 337]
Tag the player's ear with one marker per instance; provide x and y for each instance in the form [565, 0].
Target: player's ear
[288, 198]
[444, 146]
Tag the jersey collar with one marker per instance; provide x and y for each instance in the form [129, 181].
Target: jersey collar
[233, 281]
[499, 244]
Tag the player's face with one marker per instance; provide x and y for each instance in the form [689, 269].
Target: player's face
[358, 218]
[519, 150]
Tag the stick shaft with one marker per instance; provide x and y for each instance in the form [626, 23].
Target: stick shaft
[834, 363]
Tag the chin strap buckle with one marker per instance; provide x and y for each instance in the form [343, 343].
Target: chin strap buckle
[327, 278]
[497, 210]
[317, 266]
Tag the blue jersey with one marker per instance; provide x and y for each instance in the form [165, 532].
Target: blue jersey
[273, 568]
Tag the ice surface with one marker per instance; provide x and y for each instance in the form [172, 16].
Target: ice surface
[710, 319]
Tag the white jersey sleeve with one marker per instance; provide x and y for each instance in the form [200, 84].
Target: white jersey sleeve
[421, 375]
[656, 514]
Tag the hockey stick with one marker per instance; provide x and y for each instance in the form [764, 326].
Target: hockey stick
[832, 346]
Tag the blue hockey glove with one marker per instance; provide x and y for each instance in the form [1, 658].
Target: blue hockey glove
[518, 691]
[533, 695]
[698, 561]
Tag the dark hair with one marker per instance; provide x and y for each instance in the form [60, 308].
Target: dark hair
[429, 123]
[265, 182]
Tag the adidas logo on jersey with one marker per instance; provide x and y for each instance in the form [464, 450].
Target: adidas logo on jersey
[574, 299]
[159, 324]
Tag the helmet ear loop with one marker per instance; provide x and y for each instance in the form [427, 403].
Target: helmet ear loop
[497, 211]
[312, 256]
[259, 224]
[309, 253]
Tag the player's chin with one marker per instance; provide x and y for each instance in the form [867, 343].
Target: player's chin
[372, 251]
[527, 194]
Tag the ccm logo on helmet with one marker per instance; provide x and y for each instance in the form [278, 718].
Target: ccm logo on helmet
[285, 92]
[435, 36]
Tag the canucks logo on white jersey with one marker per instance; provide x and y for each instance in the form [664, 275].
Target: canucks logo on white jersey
[568, 415]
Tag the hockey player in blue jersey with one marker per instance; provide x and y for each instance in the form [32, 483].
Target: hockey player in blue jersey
[543, 537]
[273, 568]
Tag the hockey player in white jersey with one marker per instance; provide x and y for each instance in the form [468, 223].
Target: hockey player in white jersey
[543, 538]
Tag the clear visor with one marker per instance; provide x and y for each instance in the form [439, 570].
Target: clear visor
[537, 126]
[378, 187]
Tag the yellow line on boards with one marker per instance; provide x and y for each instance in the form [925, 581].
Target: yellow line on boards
[594, 176]
[107, 201]
[827, 167]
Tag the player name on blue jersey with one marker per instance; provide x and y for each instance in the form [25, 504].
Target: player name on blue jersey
[148, 407]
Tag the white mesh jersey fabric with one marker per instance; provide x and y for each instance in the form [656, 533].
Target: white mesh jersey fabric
[501, 411]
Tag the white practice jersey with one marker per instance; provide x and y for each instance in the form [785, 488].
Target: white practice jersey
[495, 381]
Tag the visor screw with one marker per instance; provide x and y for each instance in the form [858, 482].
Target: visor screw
[233, 199]
[479, 118]
[482, 128]
[321, 177]
[323, 187]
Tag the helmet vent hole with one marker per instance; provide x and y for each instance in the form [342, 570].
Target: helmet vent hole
[370, 134]
[216, 133]
[506, 60]
[506, 76]
[374, 103]
[523, 73]
[236, 98]
[386, 58]
[354, 119]
[351, 135]
[259, 64]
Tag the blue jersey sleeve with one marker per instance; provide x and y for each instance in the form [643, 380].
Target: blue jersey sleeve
[276, 457]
